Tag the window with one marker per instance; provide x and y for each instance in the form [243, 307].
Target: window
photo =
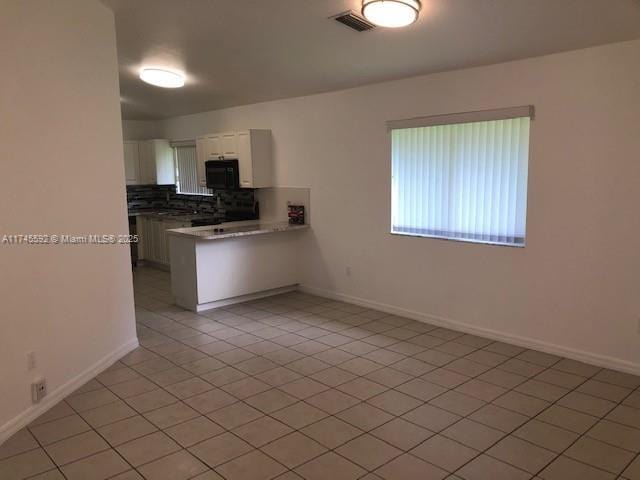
[462, 176]
[186, 171]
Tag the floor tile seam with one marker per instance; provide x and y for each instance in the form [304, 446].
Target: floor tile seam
[580, 436]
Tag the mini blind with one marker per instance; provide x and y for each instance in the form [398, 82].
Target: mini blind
[465, 179]
[186, 171]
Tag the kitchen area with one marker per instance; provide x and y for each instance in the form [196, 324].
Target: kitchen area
[207, 211]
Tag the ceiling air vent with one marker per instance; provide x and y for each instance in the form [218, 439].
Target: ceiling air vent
[352, 20]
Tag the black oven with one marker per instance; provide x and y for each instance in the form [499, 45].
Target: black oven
[222, 174]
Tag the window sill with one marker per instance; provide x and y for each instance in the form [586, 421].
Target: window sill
[459, 239]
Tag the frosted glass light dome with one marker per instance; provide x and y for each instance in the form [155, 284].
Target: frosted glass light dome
[391, 13]
[162, 78]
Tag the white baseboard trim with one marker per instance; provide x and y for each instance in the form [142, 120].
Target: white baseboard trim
[242, 298]
[547, 347]
[53, 397]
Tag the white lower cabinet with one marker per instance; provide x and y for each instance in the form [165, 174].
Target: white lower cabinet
[153, 242]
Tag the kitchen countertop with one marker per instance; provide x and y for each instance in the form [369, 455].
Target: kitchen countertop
[235, 229]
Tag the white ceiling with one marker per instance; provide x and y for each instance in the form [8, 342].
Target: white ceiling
[239, 52]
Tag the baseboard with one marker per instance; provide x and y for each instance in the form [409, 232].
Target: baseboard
[53, 397]
[242, 298]
[568, 352]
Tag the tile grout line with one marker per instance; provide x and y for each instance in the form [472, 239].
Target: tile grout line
[111, 447]
[168, 339]
[476, 349]
[557, 455]
[472, 378]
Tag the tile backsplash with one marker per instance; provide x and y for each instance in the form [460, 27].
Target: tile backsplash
[164, 197]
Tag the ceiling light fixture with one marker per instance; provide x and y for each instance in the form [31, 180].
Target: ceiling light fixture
[391, 13]
[161, 77]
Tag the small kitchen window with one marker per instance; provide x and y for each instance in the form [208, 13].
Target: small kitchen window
[462, 176]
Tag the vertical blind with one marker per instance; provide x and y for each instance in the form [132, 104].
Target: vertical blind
[464, 181]
[186, 171]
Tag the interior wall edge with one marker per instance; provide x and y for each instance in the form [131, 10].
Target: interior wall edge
[599, 360]
[34, 411]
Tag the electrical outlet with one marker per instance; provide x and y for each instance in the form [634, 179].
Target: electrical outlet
[31, 361]
[38, 390]
[347, 271]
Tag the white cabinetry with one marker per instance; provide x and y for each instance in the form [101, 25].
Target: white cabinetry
[213, 146]
[149, 162]
[254, 156]
[148, 172]
[252, 148]
[229, 144]
[153, 242]
[131, 162]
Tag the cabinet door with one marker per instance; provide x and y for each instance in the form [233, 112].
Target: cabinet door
[141, 231]
[245, 163]
[214, 146]
[147, 163]
[229, 147]
[201, 157]
[147, 239]
[156, 226]
[131, 163]
[165, 240]
[261, 159]
[162, 242]
[143, 156]
[152, 166]
[164, 162]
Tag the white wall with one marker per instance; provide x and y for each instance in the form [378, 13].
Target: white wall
[274, 203]
[574, 288]
[141, 130]
[61, 173]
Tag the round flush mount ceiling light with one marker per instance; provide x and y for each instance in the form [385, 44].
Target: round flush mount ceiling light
[391, 13]
[161, 77]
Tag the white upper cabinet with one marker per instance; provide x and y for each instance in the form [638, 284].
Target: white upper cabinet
[213, 146]
[229, 144]
[149, 162]
[255, 159]
[245, 160]
[252, 148]
[148, 173]
[131, 163]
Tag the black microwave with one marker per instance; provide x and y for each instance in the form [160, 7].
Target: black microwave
[222, 174]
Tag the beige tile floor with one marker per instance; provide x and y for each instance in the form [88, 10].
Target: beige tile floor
[297, 386]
